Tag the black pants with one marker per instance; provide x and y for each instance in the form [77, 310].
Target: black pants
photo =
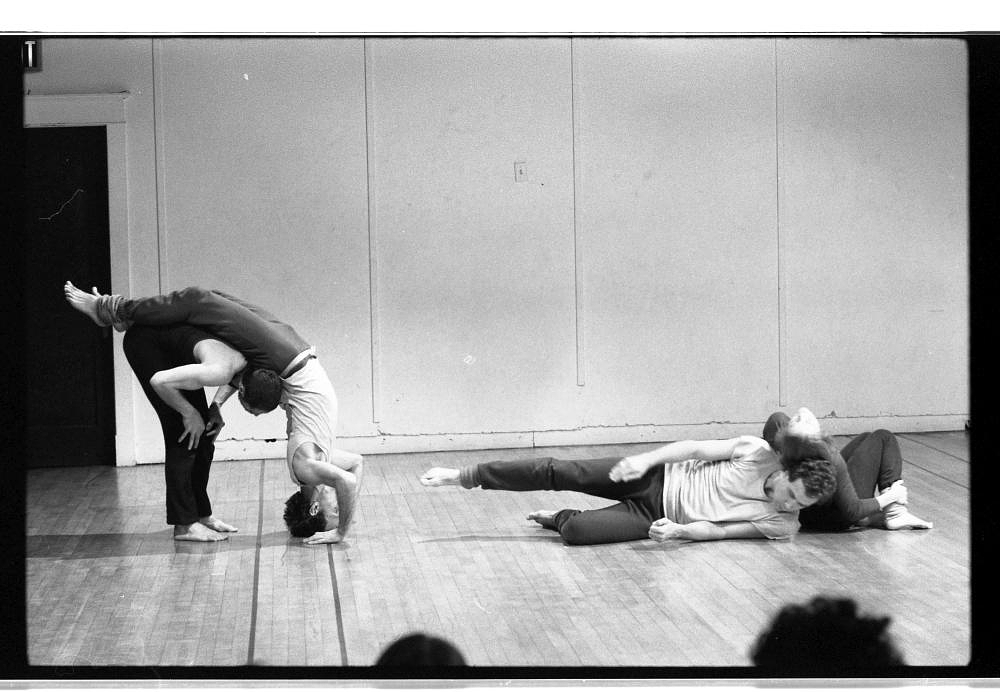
[150, 350]
[640, 501]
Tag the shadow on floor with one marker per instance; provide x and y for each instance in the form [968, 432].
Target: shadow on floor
[100, 545]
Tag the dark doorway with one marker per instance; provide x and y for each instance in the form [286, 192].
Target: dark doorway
[69, 383]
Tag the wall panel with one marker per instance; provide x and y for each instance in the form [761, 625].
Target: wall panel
[263, 193]
[873, 221]
[676, 217]
[475, 269]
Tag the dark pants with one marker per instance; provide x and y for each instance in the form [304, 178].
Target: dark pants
[263, 340]
[150, 350]
[640, 501]
[874, 461]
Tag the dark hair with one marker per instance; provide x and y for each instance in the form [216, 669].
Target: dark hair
[420, 649]
[297, 517]
[817, 477]
[825, 636]
[261, 388]
[793, 448]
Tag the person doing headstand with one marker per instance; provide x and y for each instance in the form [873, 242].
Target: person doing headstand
[329, 479]
[690, 490]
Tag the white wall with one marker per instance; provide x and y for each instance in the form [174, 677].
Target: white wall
[873, 204]
[475, 270]
[709, 229]
[263, 194]
[676, 217]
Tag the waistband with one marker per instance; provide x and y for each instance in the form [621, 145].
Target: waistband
[298, 363]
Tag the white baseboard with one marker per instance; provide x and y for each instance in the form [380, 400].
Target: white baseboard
[402, 444]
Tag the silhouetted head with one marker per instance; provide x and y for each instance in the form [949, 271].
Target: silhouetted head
[420, 649]
[826, 637]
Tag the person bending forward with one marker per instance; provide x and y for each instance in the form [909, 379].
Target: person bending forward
[173, 364]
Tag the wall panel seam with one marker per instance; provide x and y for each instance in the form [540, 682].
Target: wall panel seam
[376, 344]
[581, 374]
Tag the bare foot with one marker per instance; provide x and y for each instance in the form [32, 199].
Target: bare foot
[217, 524]
[197, 532]
[440, 476]
[545, 517]
[84, 302]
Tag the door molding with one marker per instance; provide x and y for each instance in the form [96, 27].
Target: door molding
[109, 110]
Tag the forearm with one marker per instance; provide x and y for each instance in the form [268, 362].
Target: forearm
[845, 498]
[701, 531]
[222, 394]
[347, 499]
[172, 397]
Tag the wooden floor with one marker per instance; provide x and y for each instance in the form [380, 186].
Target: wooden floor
[106, 585]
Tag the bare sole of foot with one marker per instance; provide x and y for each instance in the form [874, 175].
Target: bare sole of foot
[84, 302]
[199, 533]
[217, 525]
[439, 476]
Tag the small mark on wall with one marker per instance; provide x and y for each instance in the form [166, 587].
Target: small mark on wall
[469, 359]
[60, 210]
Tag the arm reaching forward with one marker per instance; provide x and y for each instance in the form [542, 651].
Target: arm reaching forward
[635, 466]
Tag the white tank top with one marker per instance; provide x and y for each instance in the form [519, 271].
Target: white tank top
[311, 407]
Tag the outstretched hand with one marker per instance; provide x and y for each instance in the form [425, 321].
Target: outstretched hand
[629, 469]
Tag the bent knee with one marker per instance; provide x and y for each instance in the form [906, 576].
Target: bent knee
[574, 532]
[882, 434]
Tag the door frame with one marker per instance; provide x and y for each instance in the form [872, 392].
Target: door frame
[109, 110]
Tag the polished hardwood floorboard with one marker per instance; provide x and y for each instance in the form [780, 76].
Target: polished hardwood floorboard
[106, 585]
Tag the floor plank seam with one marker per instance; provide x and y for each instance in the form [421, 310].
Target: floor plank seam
[935, 474]
[936, 449]
[337, 607]
[256, 567]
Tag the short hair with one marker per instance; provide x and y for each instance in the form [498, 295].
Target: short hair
[825, 636]
[297, 518]
[261, 388]
[817, 477]
[420, 649]
[794, 448]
